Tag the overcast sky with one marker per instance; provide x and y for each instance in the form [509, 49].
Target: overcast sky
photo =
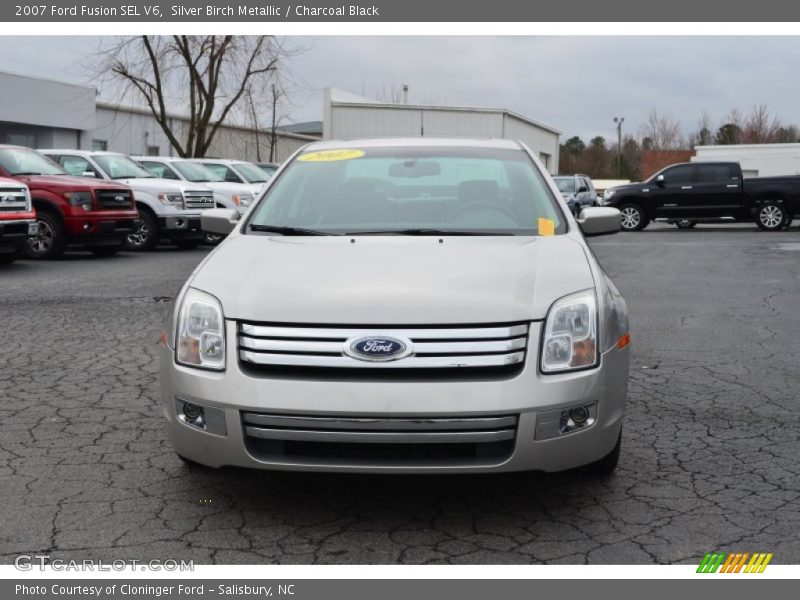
[576, 84]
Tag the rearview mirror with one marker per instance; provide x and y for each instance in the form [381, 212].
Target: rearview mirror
[88, 174]
[415, 168]
[599, 221]
[219, 220]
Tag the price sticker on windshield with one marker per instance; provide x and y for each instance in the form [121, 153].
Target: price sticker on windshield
[546, 226]
[331, 155]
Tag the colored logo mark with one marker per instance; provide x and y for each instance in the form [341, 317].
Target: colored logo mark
[735, 562]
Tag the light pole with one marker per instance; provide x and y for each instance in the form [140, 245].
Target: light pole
[619, 121]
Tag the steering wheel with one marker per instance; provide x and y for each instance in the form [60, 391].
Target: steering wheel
[472, 206]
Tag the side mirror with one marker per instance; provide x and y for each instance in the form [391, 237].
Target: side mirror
[219, 220]
[599, 221]
[583, 189]
[660, 181]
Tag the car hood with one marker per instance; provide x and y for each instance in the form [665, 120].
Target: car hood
[157, 185]
[389, 280]
[68, 182]
[228, 188]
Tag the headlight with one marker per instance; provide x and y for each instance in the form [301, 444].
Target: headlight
[82, 199]
[242, 200]
[570, 334]
[200, 331]
[171, 199]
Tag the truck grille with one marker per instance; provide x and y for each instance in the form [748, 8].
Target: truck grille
[376, 441]
[114, 199]
[13, 200]
[198, 200]
[431, 348]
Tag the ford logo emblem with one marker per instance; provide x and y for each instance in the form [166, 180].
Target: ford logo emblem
[377, 348]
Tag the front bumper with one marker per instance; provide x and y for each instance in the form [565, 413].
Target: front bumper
[526, 395]
[181, 226]
[14, 233]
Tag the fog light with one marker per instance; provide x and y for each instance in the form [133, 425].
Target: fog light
[205, 418]
[87, 226]
[579, 415]
[192, 411]
[555, 423]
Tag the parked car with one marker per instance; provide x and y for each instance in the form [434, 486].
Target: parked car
[237, 171]
[268, 167]
[168, 209]
[17, 219]
[405, 305]
[226, 194]
[237, 196]
[70, 210]
[689, 192]
[577, 191]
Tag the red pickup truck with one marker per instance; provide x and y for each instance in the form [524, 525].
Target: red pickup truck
[17, 219]
[70, 210]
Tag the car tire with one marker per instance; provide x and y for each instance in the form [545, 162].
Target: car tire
[104, 250]
[685, 224]
[772, 216]
[51, 240]
[212, 239]
[192, 465]
[633, 217]
[606, 466]
[146, 236]
[187, 244]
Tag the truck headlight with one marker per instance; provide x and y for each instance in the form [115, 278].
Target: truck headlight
[200, 332]
[570, 334]
[79, 199]
[242, 199]
[171, 199]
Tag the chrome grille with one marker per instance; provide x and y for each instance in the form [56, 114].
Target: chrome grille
[198, 199]
[13, 200]
[432, 348]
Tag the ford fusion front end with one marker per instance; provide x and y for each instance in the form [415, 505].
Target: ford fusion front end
[400, 306]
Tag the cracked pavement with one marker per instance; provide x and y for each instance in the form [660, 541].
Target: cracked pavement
[709, 459]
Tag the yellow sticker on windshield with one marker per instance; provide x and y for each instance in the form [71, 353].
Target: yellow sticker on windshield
[331, 155]
[546, 227]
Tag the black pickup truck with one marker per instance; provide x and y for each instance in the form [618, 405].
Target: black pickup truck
[690, 192]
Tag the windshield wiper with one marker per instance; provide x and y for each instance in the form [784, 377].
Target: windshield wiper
[284, 230]
[30, 173]
[426, 231]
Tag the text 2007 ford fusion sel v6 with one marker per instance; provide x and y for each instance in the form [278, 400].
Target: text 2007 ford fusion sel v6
[413, 305]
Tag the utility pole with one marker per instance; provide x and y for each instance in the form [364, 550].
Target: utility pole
[619, 121]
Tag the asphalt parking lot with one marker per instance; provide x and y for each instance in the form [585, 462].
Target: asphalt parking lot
[710, 458]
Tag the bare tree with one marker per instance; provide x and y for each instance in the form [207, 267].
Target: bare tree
[759, 127]
[662, 131]
[208, 77]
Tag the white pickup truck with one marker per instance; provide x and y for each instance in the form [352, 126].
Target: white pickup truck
[167, 208]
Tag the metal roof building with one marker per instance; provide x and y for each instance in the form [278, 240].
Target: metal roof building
[347, 116]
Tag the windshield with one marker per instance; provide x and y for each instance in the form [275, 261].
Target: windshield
[19, 161]
[565, 184]
[416, 191]
[268, 169]
[251, 172]
[117, 166]
[196, 172]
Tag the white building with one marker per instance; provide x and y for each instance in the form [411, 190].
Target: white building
[346, 116]
[43, 113]
[756, 160]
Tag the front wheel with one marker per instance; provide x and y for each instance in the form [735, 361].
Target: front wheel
[608, 464]
[686, 224]
[633, 217]
[212, 239]
[8, 258]
[772, 216]
[146, 237]
[51, 240]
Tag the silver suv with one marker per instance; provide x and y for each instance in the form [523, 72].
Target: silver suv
[577, 190]
[409, 305]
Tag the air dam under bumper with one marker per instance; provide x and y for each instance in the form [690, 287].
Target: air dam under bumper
[500, 413]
